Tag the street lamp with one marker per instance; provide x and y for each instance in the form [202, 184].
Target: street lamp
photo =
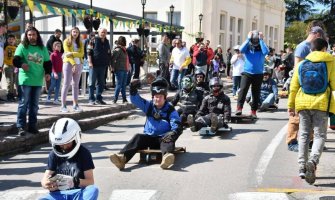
[143, 2]
[200, 19]
[171, 16]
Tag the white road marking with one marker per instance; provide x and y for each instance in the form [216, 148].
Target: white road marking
[133, 194]
[258, 196]
[22, 194]
[267, 155]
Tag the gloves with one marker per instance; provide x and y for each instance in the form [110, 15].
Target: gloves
[65, 182]
[277, 100]
[170, 137]
[134, 85]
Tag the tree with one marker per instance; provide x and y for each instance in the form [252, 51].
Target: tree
[298, 10]
[295, 33]
[329, 18]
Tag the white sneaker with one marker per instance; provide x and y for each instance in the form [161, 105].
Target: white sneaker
[76, 108]
[63, 109]
[47, 100]
[56, 102]
[167, 160]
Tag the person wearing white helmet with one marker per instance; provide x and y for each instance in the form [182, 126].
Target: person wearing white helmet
[69, 173]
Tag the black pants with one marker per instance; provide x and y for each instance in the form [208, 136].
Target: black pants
[137, 71]
[164, 71]
[143, 141]
[255, 80]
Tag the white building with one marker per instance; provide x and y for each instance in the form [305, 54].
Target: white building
[225, 22]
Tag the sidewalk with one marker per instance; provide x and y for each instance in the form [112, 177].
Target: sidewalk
[91, 117]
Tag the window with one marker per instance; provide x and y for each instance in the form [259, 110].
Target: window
[176, 18]
[150, 15]
[222, 22]
[221, 38]
[231, 42]
[254, 26]
[232, 24]
[271, 36]
[240, 26]
[266, 32]
[276, 34]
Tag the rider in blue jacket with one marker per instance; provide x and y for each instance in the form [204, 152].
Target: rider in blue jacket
[162, 127]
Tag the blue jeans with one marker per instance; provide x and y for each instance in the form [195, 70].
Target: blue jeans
[236, 84]
[97, 75]
[55, 85]
[90, 192]
[180, 78]
[268, 101]
[121, 81]
[29, 101]
[174, 78]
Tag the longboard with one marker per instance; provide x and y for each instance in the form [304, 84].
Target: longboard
[155, 155]
[207, 131]
[240, 118]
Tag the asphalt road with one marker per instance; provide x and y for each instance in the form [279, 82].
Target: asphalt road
[251, 162]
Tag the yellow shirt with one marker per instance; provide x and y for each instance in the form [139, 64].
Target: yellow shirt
[9, 55]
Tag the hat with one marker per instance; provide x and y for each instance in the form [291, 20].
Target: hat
[316, 29]
[219, 46]
[236, 47]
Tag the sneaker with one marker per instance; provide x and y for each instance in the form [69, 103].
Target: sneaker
[125, 101]
[167, 160]
[33, 130]
[238, 111]
[63, 109]
[302, 172]
[293, 147]
[190, 120]
[214, 123]
[92, 103]
[76, 108]
[119, 160]
[48, 100]
[21, 132]
[56, 102]
[100, 102]
[114, 101]
[253, 114]
[310, 172]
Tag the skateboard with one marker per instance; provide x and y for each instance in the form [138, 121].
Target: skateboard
[155, 155]
[206, 131]
[239, 118]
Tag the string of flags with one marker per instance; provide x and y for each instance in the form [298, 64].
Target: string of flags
[46, 9]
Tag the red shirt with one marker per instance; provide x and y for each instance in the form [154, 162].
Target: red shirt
[57, 61]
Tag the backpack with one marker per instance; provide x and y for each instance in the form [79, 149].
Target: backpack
[313, 77]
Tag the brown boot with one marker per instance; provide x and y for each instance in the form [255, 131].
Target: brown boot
[119, 160]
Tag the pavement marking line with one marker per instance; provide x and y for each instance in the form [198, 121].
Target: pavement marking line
[258, 196]
[292, 190]
[267, 155]
[133, 194]
[22, 194]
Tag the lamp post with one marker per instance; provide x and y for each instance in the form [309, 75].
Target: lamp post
[171, 17]
[200, 19]
[142, 24]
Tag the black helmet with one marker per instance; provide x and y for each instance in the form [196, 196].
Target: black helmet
[159, 86]
[199, 72]
[215, 81]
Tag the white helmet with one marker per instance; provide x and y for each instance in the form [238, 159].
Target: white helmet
[64, 131]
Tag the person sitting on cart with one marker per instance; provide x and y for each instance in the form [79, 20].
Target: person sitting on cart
[189, 99]
[200, 84]
[268, 94]
[215, 109]
[161, 129]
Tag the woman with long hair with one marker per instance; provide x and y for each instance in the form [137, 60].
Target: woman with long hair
[72, 67]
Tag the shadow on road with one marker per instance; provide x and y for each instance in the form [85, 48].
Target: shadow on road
[10, 184]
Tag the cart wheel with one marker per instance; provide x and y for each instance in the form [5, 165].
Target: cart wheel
[231, 129]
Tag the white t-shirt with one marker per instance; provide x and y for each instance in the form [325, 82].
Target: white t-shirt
[238, 65]
[179, 56]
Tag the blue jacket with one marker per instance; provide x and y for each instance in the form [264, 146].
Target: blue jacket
[158, 127]
[268, 87]
[254, 60]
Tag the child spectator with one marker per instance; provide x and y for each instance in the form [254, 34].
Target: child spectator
[56, 75]
[9, 68]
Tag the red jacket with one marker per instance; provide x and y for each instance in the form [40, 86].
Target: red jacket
[57, 61]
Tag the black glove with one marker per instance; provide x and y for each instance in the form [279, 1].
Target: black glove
[277, 100]
[170, 137]
[134, 85]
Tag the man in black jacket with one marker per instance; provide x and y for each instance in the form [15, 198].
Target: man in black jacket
[135, 55]
[53, 38]
[98, 54]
